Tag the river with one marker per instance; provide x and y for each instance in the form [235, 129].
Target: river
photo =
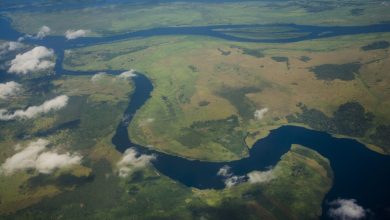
[359, 173]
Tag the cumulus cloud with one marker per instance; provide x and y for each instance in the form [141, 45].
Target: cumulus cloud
[259, 114]
[234, 180]
[9, 46]
[14, 45]
[49, 161]
[98, 76]
[253, 177]
[33, 111]
[229, 178]
[127, 75]
[24, 159]
[73, 34]
[43, 31]
[224, 171]
[9, 89]
[260, 176]
[36, 156]
[33, 60]
[132, 159]
[346, 209]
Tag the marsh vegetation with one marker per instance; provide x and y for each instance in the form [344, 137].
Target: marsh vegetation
[331, 72]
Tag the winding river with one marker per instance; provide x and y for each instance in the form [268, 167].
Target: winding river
[359, 173]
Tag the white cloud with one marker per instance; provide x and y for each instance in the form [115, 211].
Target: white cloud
[127, 75]
[68, 52]
[33, 60]
[260, 176]
[43, 31]
[24, 159]
[73, 34]
[229, 178]
[14, 45]
[9, 46]
[131, 159]
[98, 76]
[234, 180]
[224, 171]
[49, 161]
[33, 111]
[346, 209]
[9, 89]
[124, 171]
[35, 156]
[259, 114]
[253, 177]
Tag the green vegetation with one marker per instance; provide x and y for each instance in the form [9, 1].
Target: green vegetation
[212, 99]
[381, 136]
[224, 131]
[64, 180]
[357, 11]
[263, 32]
[336, 71]
[283, 60]
[349, 119]
[237, 97]
[305, 58]
[203, 103]
[280, 59]
[225, 53]
[376, 45]
[91, 198]
[301, 175]
[251, 52]
[90, 128]
[105, 55]
[284, 197]
[94, 190]
[90, 118]
[88, 101]
[195, 82]
[129, 17]
[317, 6]
[288, 188]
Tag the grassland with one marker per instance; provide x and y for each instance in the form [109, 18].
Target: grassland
[302, 175]
[231, 79]
[113, 19]
[83, 126]
[93, 190]
[206, 93]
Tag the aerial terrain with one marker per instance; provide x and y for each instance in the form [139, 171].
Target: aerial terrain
[180, 109]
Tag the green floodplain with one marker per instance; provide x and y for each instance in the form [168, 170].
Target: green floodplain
[235, 81]
[212, 100]
[129, 17]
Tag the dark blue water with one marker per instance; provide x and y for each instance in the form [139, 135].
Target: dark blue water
[359, 173]
[59, 43]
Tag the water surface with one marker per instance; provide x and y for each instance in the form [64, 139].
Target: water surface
[359, 173]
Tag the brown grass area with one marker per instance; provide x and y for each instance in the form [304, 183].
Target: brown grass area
[26, 201]
[282, 86]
